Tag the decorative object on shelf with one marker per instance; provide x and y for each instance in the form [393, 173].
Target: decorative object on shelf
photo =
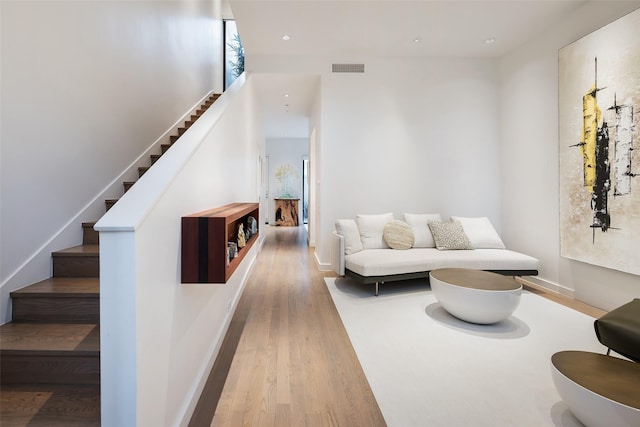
[252, 225]
[242, 238]
[233, 250]
[598, 93]
[287, 212]
[209, 244]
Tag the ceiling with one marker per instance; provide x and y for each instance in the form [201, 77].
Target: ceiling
[286, 101]
[394, 28]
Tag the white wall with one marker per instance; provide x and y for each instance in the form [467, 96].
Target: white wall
[87, 87]
[159, 338]
[529, 166]
[458, 136]
[409, 135]
[285, 152]
[315, 125]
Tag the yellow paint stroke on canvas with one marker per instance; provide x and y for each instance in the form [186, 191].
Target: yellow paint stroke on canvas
[591, 116]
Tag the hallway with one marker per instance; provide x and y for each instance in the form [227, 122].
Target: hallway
[294, 364]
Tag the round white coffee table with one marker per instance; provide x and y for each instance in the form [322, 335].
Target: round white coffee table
[600, 390]
[475, 296]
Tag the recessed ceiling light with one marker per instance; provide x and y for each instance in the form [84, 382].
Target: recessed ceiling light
[490, 40]
[417, 39]
[286, 95]
[286, 37]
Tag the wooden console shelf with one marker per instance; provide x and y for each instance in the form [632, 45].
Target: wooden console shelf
[205, 237]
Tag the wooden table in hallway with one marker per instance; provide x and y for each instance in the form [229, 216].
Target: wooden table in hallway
[286, 212]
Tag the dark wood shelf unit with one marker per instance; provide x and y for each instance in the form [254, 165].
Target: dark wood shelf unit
[205, 237]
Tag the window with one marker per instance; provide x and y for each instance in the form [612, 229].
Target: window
[233, 53]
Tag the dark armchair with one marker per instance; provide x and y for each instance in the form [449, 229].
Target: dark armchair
[619, 330]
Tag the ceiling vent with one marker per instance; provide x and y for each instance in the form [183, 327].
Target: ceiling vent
[347, 68]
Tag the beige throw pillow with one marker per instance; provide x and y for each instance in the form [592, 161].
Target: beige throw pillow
[398, 235]
[449, 236]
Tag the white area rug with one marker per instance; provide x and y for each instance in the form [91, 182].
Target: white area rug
[427, 368]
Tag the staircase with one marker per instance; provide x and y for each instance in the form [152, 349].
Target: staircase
[50, 351]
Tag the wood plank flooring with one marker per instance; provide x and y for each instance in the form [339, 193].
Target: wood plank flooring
[294, 364]
[286, 359]
[52, 405]
[562, 299]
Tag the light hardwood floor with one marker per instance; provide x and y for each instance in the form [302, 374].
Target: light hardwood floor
[287, 360]
[562, 299]
[294, 364]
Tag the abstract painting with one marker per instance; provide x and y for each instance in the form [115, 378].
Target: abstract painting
[599, 120]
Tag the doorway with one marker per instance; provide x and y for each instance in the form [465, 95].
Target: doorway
[305, 190]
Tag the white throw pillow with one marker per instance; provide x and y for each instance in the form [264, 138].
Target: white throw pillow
[449, 236]
[371, 228]
[420, 225]
[348, 229]
[398, 234]
[480, 232]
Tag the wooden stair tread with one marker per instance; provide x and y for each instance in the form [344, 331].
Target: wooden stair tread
[55, 335]
[49, 338]
[80, 250]
[59, 287]
[127, 185]
[50, 405]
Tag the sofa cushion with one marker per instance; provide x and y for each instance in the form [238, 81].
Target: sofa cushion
[348, 229]
[382, 262]
[480, 232]
[371, 228]
[449, 236]
[398, 234]
[420, 225]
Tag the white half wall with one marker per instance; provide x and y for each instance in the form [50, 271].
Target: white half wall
[529, 160]
[160, 337]
[87, 88]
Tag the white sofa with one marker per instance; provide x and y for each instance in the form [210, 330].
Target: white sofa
[360, 248]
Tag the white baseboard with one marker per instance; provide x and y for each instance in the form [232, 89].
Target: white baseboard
[322, 266]
[539, 282]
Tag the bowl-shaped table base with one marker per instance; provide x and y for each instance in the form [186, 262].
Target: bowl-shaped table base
[475, 296]
[599, 390]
